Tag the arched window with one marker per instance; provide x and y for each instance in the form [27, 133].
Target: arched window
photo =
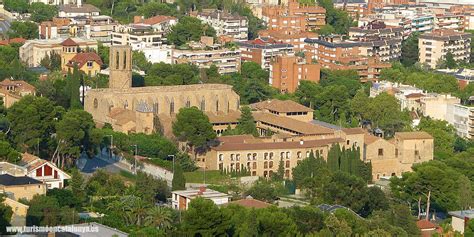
[298, 154]
[172, 106]
[188, 103]
[271, 155]
[265, 164]
[282, 155]
[270, 173]
[287, 155]
[231, 157]
[237, 157]
[270, 164]
[217, 105]
[125, 105]
[254, 166]
[265, 174]
[155, 108]
[96, 103]
[203, 104]
[221, 157]
[249, 156]
[287, 173]
[265, 156]
[287, 165]
[254, 156]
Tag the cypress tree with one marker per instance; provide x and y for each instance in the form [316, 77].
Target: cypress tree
[280, 173]
[73, 87]
[178, 182]
[333, 158]
[247, 122]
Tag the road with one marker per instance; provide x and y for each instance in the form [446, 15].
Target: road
[4, 26]
[89, 166]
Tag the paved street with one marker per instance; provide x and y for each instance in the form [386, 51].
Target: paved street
[89, 166]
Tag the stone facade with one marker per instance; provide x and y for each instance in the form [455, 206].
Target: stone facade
[139, 109]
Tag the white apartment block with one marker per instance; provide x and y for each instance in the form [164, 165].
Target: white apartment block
[78, 10]
[180, 199]
[226, 60]
[33, 51]
[135, 34]
[57, 2]
[462, 119]
[435, 45]
[226, 24]
[449, 22]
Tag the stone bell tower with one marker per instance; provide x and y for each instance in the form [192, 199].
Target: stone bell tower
[120, 65]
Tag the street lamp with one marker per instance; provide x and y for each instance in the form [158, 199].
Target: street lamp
[173, 161]
[135, 158]
[111, 144]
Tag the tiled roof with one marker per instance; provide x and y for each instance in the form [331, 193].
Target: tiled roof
[20, 85]
[27, 158]
[369, 139]
[82, 58]
[235, 138]
[250, 203]
[69, 42]
[415, 95]
[9, 180]
[281, 106]
[122, 116]
[412, 135]
[295, 126]
[351, 131]
[276, 145]
[220, 117]
[425, 224]
[11, 41]
[158, 19]
[85, 8]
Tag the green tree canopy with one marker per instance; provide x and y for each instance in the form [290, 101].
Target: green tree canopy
[204, 218]
[42, 12]
[23, 29]
[189, 29]
[410, 50]
[193, 126]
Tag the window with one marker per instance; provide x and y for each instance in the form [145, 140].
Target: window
[347, 142]
[265, 156]
[237, 157]
[231, 157]
[287, 155]
[380, 152]
[89, 64]
[270, 164]
[254, 166]
[249, 156]
[221, 157]
[287, 173]
[265, 174]
[282, 155]
[298, 154]
[217, 105]
[254, 156]
[188, 103]
[96, 103]
[172, 106]
[287, 164]
[203, 104]
[396, 152]
[271, 155]
[417, 153]
[265, 165]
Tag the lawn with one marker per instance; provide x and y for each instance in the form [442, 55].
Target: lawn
[212, 177]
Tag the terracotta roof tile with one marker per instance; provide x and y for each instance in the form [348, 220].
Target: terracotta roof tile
[351, 131]
[235, 138]
[158, 19]
[82, 58]
[122, 116]
[220, 117]
[425, 224]
[69, 42]
[415, 95]
[19, 84]
[295, 126]
[413, 135]
[276, 145]
[250, 203]
[369, 139]
[13, 41]
[281, 106]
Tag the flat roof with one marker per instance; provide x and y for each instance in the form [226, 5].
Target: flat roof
[9, 180]
[208, 193]
[463, 213]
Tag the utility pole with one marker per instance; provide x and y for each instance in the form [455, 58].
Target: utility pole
[111, 144]
[135, 158]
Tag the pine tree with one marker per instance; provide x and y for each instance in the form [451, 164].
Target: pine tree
[247, 122]
[178, 182]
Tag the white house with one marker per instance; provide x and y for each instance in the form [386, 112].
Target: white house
[44, 171]
[182, 198]
[458, 222]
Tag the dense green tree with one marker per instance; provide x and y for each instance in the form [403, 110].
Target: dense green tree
[77, 185]
[154, 145]
[337, 18]
[160, 217]
[152, 9]
[443, 134]
[23, 29]
[449, 61]
[308, 168]
[45, 211]
[384, 112]
[6, 213]
[179, 181]
[400, 216]
[273, 222]
[65, 197]
[359, 104]
[20, 6]
[151, 189]
[42, 12]
[172, 74]
[204, 218]
[193, 126]
[410, 50]
[52, 62]
[189, 29]
[434, 176]
[346, 190]
[308, 219]
[103, 184]
[247, 122]
[73, 85]
[326, 30]
[32, 120]
[7, 152]
[264, 191]
[75, 134]
[348, 78]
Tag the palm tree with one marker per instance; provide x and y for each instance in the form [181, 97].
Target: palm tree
[159, 217]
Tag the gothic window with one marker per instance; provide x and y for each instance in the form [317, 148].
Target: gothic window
[124, 60]
[117, 62]
[217, 105]
[125, 105]
[188, 103]
[172, 106]
[203, 104]
[96, 103]
[155, 108]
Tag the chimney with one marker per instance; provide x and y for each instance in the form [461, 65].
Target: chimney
[202, 189]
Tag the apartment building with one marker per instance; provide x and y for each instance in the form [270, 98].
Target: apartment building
[365, 57]
[287, 72]
[354, 9]
[375, 30]
[226, 24]
[90, 27]
[226, 60]
[435, 45]
[462, 118]
[374, 4]
[33, 51]
[294, 16]
[408, 19]
[135, 34]
[450, 21]
[77, 10]
[293, 37]
[263, 51]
